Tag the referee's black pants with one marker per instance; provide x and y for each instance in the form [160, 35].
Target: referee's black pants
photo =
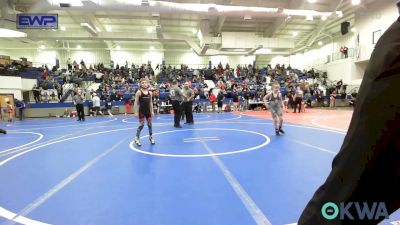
[81, 113]
[176, 105]
[297, 102]
[188, 108]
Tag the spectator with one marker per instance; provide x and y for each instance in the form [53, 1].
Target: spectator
[346, 52]
[220, 99]
[96, 104]
[352, 102]
[59, 91]
[339, 85]
[108, 104]
[10, 111]
[36, 93]
[246, 97]
[298, 98]
[46, 96]
[20, 104]
[212, 99]
[235, 100]
[332, 99]
[128, 106]
[69, 64]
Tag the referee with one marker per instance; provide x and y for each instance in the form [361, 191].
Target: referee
[78, 102]
[188, 96]
[176, 96]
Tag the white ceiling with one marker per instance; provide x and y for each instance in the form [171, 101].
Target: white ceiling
[125, 23]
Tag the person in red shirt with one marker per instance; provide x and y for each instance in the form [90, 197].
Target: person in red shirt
[212, 100]
[238, 71]
[45, 75]
[128, 106]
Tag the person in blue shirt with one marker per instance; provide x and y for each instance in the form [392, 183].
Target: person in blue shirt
[20, 104]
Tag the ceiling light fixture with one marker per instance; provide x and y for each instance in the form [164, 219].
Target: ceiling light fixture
[151, 48]
[323, 18]
[339, 14]
[63, 28]
[149, 29]
[295, 33]
[247, 17]
[263, 51]
[7, 33]
[66, 3]
[312, 1]
[320, 43]
[78, 47]
[108, 28]
[118, 47]
[355, 2]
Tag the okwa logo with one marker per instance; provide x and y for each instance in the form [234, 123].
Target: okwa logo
[364, 210]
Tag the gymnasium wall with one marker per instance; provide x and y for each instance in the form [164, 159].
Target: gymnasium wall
[11, 85]
[189, 58]
[89, 56]
[15, 85]
[377, 17]
[232, 60]
[137, 57]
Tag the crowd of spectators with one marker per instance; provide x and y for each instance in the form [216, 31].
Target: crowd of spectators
[120, 82]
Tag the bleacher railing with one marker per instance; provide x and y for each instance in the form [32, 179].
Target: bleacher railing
[334, 57]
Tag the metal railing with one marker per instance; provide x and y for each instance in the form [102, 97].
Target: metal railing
[334, 57]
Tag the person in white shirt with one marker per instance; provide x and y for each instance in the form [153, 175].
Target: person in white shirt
[69, 64]
[96, 104]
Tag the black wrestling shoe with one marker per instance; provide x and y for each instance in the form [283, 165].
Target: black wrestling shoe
[280, 130]
[277, 132]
